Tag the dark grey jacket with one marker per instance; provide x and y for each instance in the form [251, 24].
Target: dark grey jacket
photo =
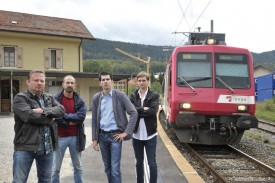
[28, 124]
[121, 103]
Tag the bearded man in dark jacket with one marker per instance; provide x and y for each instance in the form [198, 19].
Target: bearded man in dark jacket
[70, 130]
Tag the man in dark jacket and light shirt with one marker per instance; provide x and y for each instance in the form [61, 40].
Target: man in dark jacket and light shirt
[35, 132]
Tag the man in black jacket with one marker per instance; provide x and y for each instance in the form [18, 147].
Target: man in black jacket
[70, 129]
[145, 133]
[35, 132]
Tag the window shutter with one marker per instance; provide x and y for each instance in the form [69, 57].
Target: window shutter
[19, 57]
[47, 61]
[1, 56]
[59, 54]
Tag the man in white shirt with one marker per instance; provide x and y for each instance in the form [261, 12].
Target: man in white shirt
[145, 133]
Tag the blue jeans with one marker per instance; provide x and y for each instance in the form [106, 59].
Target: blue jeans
[150, 148]
[111, 156]
[71, 143]
[22, 163]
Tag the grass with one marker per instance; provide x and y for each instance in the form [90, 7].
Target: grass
[253, 136]
[266, 110]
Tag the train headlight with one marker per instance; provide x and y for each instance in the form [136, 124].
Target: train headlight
[185, 105]
[242, 108]
[211, 41]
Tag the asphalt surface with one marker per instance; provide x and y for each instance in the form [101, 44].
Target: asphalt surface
[92, 161]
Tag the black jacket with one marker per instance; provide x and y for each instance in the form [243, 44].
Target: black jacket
[150, 117]
[77, 117]
[28, 124]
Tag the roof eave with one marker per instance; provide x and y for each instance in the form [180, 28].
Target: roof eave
[58, 35]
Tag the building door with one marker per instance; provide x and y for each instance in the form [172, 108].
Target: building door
[6, 93]
[93, 91]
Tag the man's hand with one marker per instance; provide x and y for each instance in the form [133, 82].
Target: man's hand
[95, 145]
[145, 108]
[38, 110]
[120, 136]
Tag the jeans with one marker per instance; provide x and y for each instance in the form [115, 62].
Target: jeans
[150, 148]
[22, 163]
[111, 156]
[71, 143]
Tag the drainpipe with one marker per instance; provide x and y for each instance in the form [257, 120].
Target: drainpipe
[79, 59]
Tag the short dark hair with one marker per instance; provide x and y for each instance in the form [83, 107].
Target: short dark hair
[104, 74]
[35, 71]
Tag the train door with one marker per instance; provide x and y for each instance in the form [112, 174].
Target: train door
[167, 91]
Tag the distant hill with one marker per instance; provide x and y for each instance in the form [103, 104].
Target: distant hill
[266, 59]
[104, 49]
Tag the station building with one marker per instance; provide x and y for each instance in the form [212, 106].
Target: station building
[54, 45]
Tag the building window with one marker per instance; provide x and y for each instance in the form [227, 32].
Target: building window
[9, 56]
[53, 58]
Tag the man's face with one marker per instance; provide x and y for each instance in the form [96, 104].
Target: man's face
[142, 82]
[68, 84]
[36, 83]
[106, 82]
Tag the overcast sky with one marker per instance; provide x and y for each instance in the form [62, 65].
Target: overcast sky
[247, 23]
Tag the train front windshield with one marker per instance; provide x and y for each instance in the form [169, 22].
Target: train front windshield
[232, 70]
[195, 70]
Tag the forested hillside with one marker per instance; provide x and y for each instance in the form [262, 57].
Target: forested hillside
[101, 55]
[266, 59]
[104, 49]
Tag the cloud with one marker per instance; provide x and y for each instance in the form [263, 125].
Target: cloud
[247, 23]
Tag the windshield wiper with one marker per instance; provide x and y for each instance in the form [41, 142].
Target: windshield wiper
[226, 85]
[186, 83]
[199, 79]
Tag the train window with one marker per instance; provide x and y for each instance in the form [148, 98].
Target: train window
[194, 69]
[232, 70]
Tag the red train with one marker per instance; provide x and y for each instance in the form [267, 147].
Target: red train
[208, 91]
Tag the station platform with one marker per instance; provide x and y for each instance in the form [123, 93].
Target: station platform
[172, 167]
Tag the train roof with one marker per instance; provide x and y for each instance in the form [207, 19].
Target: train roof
[199, 38]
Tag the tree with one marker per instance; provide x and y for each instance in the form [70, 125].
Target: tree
[156, 87]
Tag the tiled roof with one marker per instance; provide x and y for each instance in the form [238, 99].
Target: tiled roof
[28, 23]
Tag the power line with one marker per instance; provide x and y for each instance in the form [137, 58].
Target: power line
[184, 17]
[200, 15]
[183, 14]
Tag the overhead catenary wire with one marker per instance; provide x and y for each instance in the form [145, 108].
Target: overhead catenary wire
[184, 16]
[200, 15]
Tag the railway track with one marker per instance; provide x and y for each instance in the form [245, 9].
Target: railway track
[229, 165]
[266, 127]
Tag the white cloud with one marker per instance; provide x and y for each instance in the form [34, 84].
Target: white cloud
[247, 23]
